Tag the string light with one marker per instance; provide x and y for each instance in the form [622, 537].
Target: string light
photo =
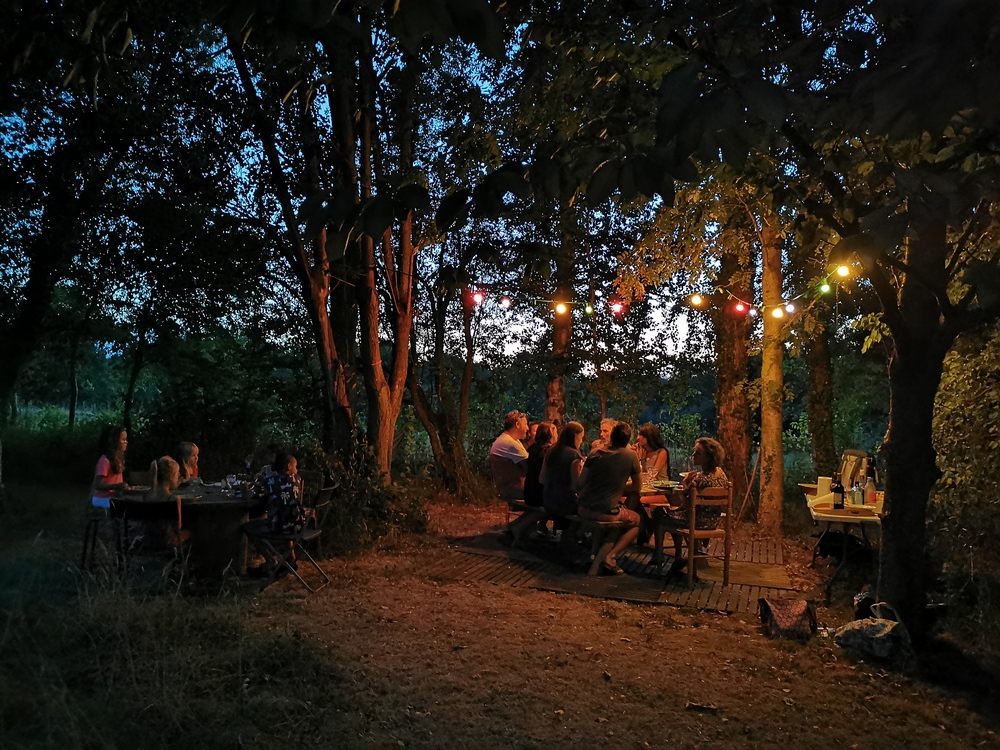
[824, 287]
[478, 297]
[561, 308]
[696, 300]
[789, 308]
[843, 271]
[505, 302]
[778, 312]
[589, 309]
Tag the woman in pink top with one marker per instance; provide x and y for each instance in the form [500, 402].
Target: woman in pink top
[108, 476]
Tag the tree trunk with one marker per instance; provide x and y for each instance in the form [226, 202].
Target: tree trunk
[385, 394]
[819, 403]
[74, 385]
[772, 460]
[732, 334]
[138, 360]
[920, 342]
[562, 330]
[311, 269]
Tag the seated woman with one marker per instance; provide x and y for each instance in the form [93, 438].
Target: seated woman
[708, 456]
[653, 453]
[561, 469]
[109, 472]
[187, 458]
[544, 437]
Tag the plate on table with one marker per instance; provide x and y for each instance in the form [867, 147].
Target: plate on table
[668, 484]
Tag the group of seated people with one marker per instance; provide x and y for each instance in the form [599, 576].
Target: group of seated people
[278, 488]
[551, 472]
[166, 473]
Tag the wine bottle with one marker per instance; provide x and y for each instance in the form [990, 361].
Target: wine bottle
[838, 494]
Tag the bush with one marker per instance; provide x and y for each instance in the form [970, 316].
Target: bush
[365, 509]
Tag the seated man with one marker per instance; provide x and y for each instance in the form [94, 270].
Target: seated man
[508, 458]
[604, 441]
[606, 474]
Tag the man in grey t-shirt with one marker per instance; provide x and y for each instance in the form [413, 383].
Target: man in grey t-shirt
[606, 475]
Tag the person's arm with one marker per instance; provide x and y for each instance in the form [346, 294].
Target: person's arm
[634, 484]
[576, 475]
[659, 460]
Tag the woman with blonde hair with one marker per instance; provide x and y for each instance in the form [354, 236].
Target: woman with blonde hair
[165, 477]
[187, 459]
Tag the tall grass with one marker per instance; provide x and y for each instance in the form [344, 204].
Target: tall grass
[88, 661]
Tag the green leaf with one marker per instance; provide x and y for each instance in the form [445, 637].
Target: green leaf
[476, 22]
[766, 100]
[413, 197]
[602, 182]
[487, 201]
[376, 215]
[452, 208]
[984, 277]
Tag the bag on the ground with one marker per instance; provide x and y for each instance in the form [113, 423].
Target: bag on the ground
[875, 636]
[787, 618]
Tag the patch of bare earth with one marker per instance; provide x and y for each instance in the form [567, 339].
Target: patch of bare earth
[428, 664]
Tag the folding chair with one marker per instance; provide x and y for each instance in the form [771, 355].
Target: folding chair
[284, 548]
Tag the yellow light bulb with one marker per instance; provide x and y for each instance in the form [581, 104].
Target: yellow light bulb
[561, 308]
[843, 271]
[777, 312]
[696, 300]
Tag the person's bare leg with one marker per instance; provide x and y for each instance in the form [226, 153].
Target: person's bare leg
[623, 541]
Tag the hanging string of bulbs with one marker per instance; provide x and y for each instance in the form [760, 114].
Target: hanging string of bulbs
[785, 307]
[618, 307]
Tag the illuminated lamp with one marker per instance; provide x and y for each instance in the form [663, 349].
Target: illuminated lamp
[505, 302]
[478, 297]
[740, 307]
[824, 287]
[696, 300]
[843, 271]
[589, 309]
[789, 308]
[778, 312]
[561, 308]
[617, 307]
[752, 312]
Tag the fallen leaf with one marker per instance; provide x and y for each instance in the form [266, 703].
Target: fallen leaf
[559, 712]
[601, 720]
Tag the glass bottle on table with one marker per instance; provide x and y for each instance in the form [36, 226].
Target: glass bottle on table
[870, 494]
[838, 493]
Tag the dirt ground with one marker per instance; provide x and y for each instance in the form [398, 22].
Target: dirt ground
[428, 664]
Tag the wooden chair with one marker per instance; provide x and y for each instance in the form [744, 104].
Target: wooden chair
[716, 497]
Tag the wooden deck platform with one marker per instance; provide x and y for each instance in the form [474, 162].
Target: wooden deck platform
[756, 570]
